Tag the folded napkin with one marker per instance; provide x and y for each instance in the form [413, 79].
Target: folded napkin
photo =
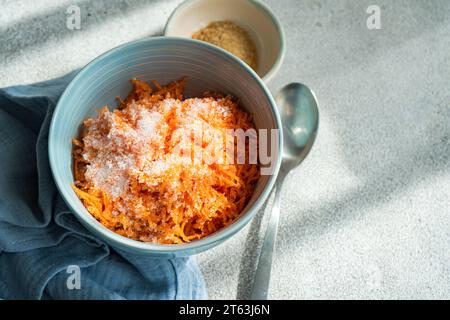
[39, 236]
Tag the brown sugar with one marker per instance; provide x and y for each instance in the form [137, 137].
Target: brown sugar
[232, 38]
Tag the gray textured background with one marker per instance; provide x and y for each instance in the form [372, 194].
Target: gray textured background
[368, 214]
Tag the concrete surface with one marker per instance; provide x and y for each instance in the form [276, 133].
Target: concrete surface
[368, 214]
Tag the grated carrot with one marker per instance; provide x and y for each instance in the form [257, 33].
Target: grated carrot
[130, 178]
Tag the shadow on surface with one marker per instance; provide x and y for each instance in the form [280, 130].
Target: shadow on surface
[39, 29]
[382, 186]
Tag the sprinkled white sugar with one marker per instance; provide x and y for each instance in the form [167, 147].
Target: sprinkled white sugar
[119, 148]
[147, 125]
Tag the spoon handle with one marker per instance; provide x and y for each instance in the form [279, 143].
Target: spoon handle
[262, 275]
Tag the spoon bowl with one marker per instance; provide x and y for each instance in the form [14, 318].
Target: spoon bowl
[299, 113]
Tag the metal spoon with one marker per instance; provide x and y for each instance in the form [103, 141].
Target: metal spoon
[299, 112]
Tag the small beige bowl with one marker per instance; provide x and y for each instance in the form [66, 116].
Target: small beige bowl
[254, 16]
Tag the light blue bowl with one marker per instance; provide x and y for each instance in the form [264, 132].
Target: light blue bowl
[164, 59]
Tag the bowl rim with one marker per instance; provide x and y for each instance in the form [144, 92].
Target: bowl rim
[261, 6]
[195, 246]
